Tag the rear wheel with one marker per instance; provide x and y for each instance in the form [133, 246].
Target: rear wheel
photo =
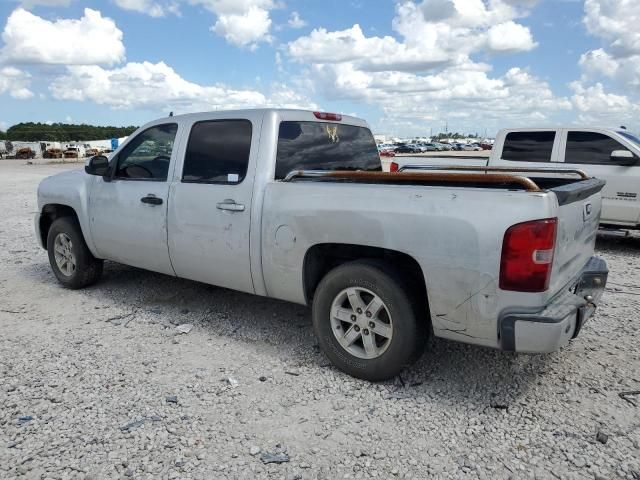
[366, 321]
[71, 261]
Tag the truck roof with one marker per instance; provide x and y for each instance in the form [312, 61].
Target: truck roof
[290, 113]
[579, 127]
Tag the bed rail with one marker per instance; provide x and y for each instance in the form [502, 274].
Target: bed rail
[471, 168]
[478, 178]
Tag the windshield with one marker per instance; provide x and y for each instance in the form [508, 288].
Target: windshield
[631, 137]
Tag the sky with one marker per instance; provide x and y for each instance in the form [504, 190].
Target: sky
[407, 67]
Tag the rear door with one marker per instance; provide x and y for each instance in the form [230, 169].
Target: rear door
[591, 150]
[210, 202]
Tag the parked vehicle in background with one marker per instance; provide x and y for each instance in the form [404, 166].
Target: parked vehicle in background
[25, 153]
[473, 147]
[92, 152]
[72, 152]
[607, 153]
[52, 153]
[443, 146]
[303, 213]
[387, 153]
[486, 146]
[432, 147]
[407, 149]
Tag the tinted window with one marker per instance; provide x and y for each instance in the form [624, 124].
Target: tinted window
[147, 155]
[218, 152]
[591, 148]
[325, 146]
[528, 146]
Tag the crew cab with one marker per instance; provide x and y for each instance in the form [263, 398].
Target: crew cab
[610, 154]
[293, 205]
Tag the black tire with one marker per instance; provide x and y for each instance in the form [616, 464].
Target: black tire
[409, 323]
[88, 269]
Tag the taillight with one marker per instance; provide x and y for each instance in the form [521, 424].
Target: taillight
[393, 167]
[527, 256]
[336, 117]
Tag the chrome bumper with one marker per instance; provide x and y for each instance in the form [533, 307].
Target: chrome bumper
[561, 320]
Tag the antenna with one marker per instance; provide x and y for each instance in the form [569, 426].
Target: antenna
[171, 114]
[623, 127]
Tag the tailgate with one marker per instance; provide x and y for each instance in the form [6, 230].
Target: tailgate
[578, 217]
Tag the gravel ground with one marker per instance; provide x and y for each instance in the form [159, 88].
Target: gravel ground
[99, 384]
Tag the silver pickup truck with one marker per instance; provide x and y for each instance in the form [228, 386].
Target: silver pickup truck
[293, 205]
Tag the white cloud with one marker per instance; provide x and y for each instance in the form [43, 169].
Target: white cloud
[295, 21]
[614, 66]
[148, 7]
[426, 73]
[15, 82]
[616, 22]
[158, 86]
[434, 33]
[594, 99]
[93, 39]
[243, 23]
[510, 37]
[599, 62]
[244, 29]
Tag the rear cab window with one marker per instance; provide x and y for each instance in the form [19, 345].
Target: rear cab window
[325, 146]
[529, 146]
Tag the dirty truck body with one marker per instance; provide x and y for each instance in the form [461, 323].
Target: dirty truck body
[385, 261]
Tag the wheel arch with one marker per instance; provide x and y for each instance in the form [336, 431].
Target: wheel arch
[49, 214]
[321, 258]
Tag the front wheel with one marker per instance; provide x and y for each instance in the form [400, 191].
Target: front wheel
[71, 261]
[366, 322]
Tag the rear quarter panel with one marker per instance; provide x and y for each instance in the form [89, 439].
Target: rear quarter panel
[455, 234]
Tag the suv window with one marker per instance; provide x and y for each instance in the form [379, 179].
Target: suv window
[528, 146]
[325, 146]
[218, 152]
[147, 156]
[591, 148]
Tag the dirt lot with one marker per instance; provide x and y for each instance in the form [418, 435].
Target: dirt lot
[97, 384]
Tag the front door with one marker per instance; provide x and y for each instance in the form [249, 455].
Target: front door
[591, 151]
[128, 212]
[210, 212]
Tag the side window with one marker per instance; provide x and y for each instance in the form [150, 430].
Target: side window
[147, 156]
[591, 148]
[218, 152]
[528, 146]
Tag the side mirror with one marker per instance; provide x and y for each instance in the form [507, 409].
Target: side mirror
[624, 157]
[98, 165]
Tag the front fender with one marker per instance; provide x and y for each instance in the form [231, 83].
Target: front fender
[69, 189]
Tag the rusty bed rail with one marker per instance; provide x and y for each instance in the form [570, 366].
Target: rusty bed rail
[471, 168]
[523, 182]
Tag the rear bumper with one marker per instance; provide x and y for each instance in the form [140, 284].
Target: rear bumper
[553, 326]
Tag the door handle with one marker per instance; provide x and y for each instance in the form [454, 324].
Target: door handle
[151, 200]
[230, 205]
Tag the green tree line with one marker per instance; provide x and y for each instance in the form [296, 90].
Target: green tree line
[63, 132]
[455, 135]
